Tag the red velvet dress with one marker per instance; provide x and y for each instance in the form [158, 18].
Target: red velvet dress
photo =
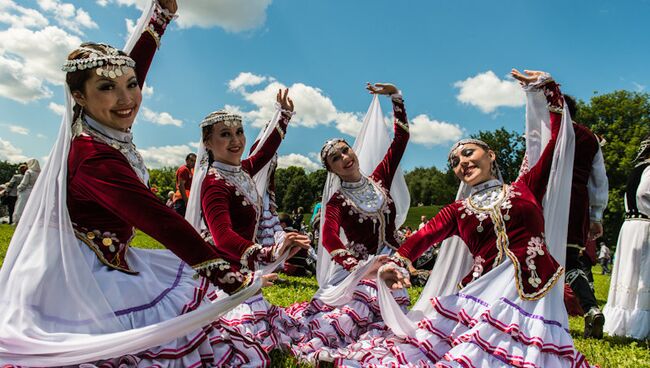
[107, 200]
[365, 212]
[232, 210]
[507, 312]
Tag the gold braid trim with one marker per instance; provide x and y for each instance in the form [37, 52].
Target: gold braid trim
[247, 253]
[403, 260]
[245, 283]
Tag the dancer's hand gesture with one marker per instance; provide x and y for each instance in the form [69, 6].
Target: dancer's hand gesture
[394, 278]
[169, 5]
[382, 88]
[294, 242]
[283, 99]
[530, 76]
[267, 280]
[377, 263]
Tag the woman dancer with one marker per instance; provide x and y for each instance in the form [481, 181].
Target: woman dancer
[25, 187]
[508, 311]
[627, 312]
[359, 221]
[74, 290]
[232, 208]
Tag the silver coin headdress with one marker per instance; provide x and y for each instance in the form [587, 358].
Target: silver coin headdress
[105, 58]
[228, 119]
[644, 150]
[328, 148]
[462, 142]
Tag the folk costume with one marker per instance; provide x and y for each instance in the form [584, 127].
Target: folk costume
[229, 209]
[360, 221]
[627, 312]
[74, 291]
[25, 187]
[507, 310]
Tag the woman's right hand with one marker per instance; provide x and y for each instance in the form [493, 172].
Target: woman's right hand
[394, 278]
[267, 280]
[382, 88]
[294, 242]
[530, 76]
[283, 99]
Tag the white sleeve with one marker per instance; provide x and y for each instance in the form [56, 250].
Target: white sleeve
[597, 187]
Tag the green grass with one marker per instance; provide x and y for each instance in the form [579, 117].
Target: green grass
[610, 352]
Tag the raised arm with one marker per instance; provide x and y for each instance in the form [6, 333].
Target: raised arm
[537, 178]
[108, 180]
[146, 46]
[256, 162]
[332, 240]
[387, 168]
[439, 228]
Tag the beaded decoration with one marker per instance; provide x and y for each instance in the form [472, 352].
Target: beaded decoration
[328, 149]
[107, 61]
[228, 119]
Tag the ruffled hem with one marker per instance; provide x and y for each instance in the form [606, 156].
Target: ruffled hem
[466, 331]
[329, 328]
[629, 323]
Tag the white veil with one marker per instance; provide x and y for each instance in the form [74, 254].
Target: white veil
[53, 311]
[455, 260]
[370, 146]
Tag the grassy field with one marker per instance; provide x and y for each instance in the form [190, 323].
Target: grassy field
[608, 353]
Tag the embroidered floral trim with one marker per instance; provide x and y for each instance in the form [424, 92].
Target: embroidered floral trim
[358, 250]
[340, 252]
[111, 242]
[207, 266]
[280, 131]
[252, 250]
[535, 248]
[345, 258]
[402, 261]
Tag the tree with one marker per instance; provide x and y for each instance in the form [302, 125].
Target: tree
[509, 148]
[7, 170]
[431, 186]
[298, 194]
[623, 119]
[317, 182]
[284, 177]
[164, 179]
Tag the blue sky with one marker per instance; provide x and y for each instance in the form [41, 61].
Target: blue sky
[450, 59]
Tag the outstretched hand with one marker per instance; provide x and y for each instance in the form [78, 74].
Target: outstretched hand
[294, 242]
[381, 88]
[394, 278]
[283, 99]
[267, 280]
[530, 76]
[377, 263]
[169, 5]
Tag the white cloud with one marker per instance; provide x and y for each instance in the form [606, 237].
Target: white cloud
[194, 145]
[294, 159]
[165, 156]
[40, 52]
[430, 132]
[11, 153]
[21, 17]
[56, 108]
[147, 90]
[41, 136]
[130, 27]
[68, 16]
[245, 79]
[231, 15]
[639, 87]
[487, 92]
[17, 129]
[313, 107]
[19, 85]
[160, 118]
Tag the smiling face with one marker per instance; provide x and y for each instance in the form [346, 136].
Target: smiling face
[113, 102]
[226, 143]
[343, 162]
[473, 164]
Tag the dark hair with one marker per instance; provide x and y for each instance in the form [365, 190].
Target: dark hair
[572, 105]
[206, 133]
[190, 155]
[283, 217]
[76, 80]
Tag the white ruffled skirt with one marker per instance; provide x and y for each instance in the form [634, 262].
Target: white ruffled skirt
[627, 312]
[327, 329]
[164, 288]
[485, 325]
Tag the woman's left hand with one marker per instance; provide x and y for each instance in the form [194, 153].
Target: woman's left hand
[169, 5]
[530, 76]
[283, 99]
[382, 88]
